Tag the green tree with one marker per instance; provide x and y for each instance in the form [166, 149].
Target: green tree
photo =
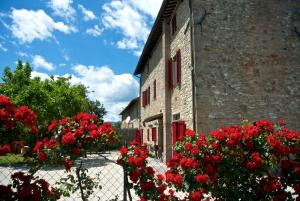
[50, 98]
[97, 108]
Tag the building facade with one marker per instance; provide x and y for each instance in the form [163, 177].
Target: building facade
[130, 115]
[214, 63]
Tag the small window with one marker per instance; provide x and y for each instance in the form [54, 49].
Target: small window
[174, 24]
[174, 70]
[176, 117]
[154, 90]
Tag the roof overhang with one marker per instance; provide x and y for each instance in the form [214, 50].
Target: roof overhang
[130, 104]
[165, 11]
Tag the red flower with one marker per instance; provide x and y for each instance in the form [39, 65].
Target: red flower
[150, 170]
[4, 149]
[123, 151]
[146, 185]
[42, 156]
[190, 133]
[68, 164]
[52, 125]
[161, 188]
[160, 177]
[202, 178]
[134, 176]
[94, 134]
[68, 139]
[196, 196]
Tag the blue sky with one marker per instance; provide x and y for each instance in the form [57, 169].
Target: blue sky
[98, 42]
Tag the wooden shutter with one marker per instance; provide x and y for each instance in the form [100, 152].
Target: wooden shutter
[178, 67]
[149, 97]
[138, 136]
[148, 135]
[174, 132]
[170, 74]
[142, 137]
[181, 129]
[154, 90]
[154, 135]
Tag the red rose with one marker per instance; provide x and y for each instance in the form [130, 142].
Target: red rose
[123, 151]
[68, 139]
[202, 178]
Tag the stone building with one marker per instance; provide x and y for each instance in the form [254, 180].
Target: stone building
[130, 115]
[211, 63]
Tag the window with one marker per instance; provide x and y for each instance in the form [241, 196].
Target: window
[154, 90]
[174, 71]
[174, 24]
[178, 131]
[146, 97]
[154, 137]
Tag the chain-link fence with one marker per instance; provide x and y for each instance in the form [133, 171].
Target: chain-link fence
[105, 177]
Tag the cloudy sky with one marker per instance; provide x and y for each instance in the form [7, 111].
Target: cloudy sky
[98, 42]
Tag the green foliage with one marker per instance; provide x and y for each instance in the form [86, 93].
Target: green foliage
[49, 99]
[97, 108]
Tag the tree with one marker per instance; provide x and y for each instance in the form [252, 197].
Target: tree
[52, 98]
[97, 108]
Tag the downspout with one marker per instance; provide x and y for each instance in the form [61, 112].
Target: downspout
[139, 112]
[194, 109]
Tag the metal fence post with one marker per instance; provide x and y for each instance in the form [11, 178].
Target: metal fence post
[125, 186]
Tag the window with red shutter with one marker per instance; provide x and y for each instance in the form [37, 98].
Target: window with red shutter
[154, 135]
[181, 130]
[170, 74]
[148, 135]
[154, 90]
[178, 62]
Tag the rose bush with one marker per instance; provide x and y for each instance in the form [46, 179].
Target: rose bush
[67, 140]
[16, 124]
[258, 161]
[70, 138]
[28, 187]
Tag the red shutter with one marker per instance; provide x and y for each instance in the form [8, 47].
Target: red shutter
[148, 135]
[142, 136]
[138, 136]
[154, 135]
[149, 97]
[174, 132]
[144, 98]
[181, 129]
[170, 73]
[154, 90]
[178, 62]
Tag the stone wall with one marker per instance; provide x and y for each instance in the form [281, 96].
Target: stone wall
[247, 61]
[181, 96]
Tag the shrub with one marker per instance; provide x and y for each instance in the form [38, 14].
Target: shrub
[257, 161]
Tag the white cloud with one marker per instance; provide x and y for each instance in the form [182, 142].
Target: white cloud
[96, 31]
[39, 62]
[132, 24]
[63, 8]
[114, 91]
[87, 14]
[22, 54]
[149, 7]
[43, 76]
[4, 49]
[28, 25]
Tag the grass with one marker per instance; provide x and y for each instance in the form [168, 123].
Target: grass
[14, 159]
